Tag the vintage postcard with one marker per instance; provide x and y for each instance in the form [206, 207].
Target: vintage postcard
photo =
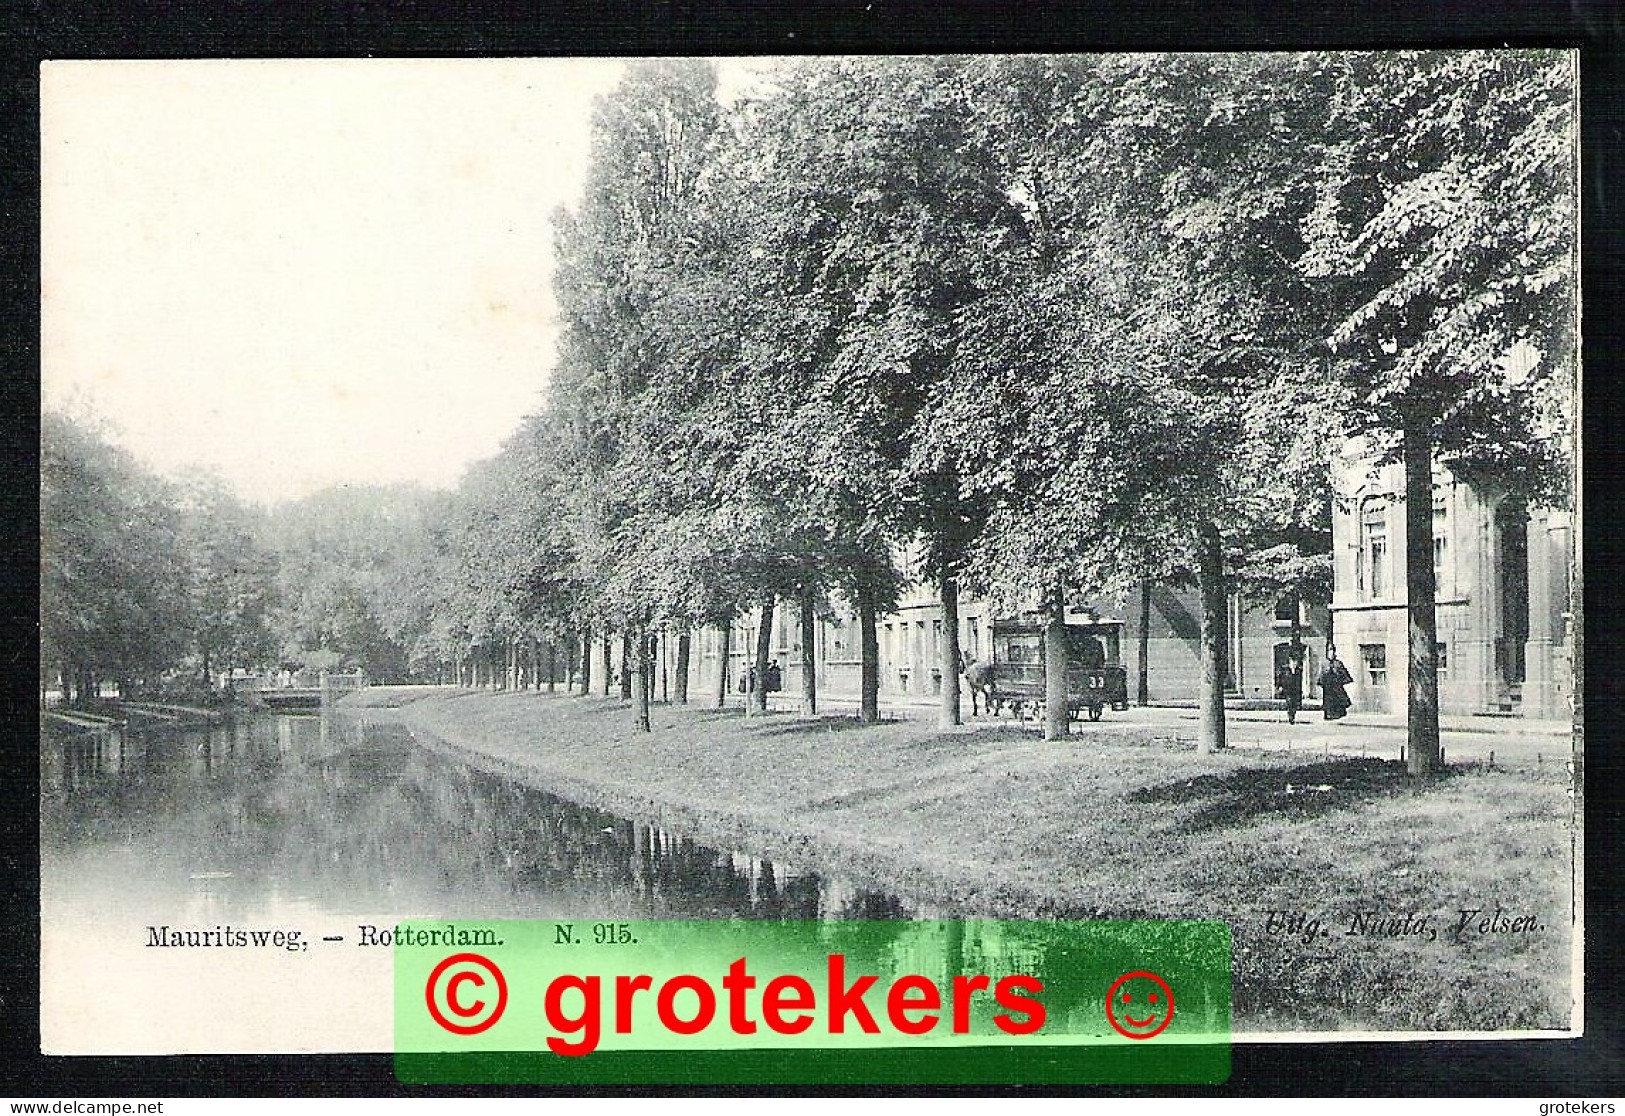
[966, 496]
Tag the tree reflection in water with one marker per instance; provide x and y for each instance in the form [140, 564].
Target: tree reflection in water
[351, 816]
[334, 821]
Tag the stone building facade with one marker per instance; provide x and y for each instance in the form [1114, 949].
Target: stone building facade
[1504, 626]
[910, 639]
[1502, 569]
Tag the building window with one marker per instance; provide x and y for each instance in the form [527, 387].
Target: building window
[1371, 576]
[1441, 653]
[1286, 609]
[1441, 546]
[840, 641]
[1375, 658]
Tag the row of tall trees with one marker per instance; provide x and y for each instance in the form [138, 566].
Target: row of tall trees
[1050, 325]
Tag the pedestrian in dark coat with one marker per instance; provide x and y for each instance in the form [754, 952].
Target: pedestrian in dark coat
[1334, 683]
[1289, 686]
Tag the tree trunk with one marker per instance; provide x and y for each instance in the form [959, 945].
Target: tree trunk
[208, 675]
[1057, 717]
[635, 673]
[1422, 713]
[764, 648]
[809, 656]
[685, 651]
[1210, 576]
[869, 672]
[608, 673]
[627, 665]
[586, 660]
[948, 710]
[1143, 689]
[552, 667]
[724, 668]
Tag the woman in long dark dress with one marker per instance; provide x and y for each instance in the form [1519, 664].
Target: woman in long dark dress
[1334, 683]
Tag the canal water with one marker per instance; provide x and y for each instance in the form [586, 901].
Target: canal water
[337, 816]
[327, 825]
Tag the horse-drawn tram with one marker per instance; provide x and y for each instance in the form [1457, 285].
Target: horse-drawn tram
[1095, 677]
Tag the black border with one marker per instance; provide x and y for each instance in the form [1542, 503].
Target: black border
[1550, 1069]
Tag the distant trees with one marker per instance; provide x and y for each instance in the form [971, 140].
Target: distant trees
[348, 563]
[232, 577]
[140, 577]
[113, 593]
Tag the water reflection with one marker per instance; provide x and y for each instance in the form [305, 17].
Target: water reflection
[339, 816]
[321, 824]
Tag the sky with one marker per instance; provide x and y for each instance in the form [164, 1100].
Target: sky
[297, 274]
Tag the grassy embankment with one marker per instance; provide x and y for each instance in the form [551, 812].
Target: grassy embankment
[1117, 822]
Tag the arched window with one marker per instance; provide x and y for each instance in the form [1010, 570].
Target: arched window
[1372, 576]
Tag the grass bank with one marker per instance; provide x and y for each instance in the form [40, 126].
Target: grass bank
[1117, 822]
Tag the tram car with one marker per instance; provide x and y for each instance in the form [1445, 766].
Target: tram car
[1095, 676]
